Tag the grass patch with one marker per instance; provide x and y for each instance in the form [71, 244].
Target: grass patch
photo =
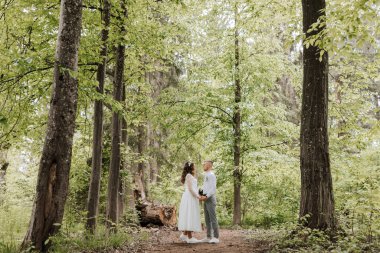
[9, 247]
[102, 241]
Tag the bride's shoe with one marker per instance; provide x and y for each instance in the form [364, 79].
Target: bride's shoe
[192, 240]
[183, 237]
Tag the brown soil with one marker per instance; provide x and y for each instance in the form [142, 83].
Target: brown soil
[165, 240]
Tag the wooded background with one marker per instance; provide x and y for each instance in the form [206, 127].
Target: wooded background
[284, 96]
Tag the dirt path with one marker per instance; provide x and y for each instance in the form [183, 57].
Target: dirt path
[231, 241]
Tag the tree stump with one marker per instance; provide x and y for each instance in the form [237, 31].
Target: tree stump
[156, 214]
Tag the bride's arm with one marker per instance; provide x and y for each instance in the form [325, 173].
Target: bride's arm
[189, 184]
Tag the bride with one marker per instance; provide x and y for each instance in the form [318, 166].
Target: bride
[189, 213]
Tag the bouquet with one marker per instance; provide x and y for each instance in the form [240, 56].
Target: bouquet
[200, 191]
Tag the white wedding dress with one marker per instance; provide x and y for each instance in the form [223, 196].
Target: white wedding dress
[189, 212]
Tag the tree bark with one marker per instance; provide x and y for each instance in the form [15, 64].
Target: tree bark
[142, 167]
[128, 188]
[54, 169]
[3, 168]
[114, 172]
[123, 184]
[377, 105]
[126, 185]
[237, 131]
[154, 159]
[97, 144]
[317, 200]
[3, 172]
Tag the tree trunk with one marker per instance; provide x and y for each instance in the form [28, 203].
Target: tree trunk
[124, 162]
[53, 174]
[128, 188]
[377, 105]
[3, 168]
[114, 172]
[142, 165]
[317, 200]
[97, 145]
[120, 204]
[154, 159]
[237, 132]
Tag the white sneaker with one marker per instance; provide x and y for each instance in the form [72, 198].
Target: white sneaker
[214, 240]
[183, 237]
[192, 240]
[205, 239]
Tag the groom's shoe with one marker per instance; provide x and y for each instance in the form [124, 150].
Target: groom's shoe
[205, 239]
[214, 240]
[183, 237]
[192, 240]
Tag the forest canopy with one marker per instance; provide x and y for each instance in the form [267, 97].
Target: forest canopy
[103, 102]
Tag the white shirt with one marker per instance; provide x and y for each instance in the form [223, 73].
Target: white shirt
[209, 184]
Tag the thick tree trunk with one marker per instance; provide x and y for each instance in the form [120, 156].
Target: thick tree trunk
[114, 172]
[154, 160]
[123, 183]
[97, 144]
[159, 80]
[289, 98]
[53, 175]
[317, 200]
[237, 132]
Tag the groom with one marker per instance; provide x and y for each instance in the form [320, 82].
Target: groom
[209, 188]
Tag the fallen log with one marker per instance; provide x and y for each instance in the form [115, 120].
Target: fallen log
[156, 214]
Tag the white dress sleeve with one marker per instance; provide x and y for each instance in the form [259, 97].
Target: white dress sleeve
[189, 183]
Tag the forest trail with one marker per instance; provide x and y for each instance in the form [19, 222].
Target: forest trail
[231, 241]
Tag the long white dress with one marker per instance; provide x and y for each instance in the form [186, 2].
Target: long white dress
[189, 212]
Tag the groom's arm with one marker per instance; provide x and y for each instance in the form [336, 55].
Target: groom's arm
[212, 186]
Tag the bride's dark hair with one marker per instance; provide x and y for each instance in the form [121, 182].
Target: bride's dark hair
[188, 168]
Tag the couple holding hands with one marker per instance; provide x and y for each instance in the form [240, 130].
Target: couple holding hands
[189, 213]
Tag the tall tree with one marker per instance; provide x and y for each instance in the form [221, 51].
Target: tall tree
[125, 187]
[142, 167]
[93, 193]
[317, 200]
[126, 184]
[3, 167]
[236, 127]
[3, 172]
[114, 172]
[54, 169]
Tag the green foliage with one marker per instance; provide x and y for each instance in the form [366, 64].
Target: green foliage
[192, 117]
[102, 241]
[302, 239]
[9, 247]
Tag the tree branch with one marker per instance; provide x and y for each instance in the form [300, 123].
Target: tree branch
[266, 146]
[208, 105]
[191, 135]
[22, 75]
